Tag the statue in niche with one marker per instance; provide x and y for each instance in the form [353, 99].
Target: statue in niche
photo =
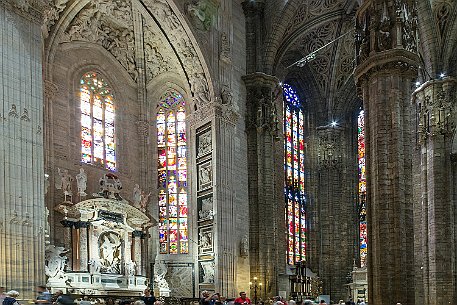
[55, 263]
[205, 176]
[81, 182]
[137, 196]
[65, 182]
[226, 96]
[110, 252]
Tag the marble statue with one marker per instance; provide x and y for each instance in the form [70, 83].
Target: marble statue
[95, 265]
[159, 276]
[136, 196]
[130, 268]
[144, 201]
[56, 260]
[110, 252]
[65, 182]
[81, 181]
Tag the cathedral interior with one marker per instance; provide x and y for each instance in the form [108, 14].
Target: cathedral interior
[301, 148]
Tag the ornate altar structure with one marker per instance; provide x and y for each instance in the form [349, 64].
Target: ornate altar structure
[105, 248]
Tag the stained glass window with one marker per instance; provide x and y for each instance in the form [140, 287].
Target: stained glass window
[294, 166]
[362, 189]
[97, 122]
[172, 174]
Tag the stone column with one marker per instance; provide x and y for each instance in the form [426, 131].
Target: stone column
[68, 241]
[386, 68]
[137, 253]
[22, 212]
[253, 11]
[266, 180]
[82, 227]
[336, 209]
[434, 209]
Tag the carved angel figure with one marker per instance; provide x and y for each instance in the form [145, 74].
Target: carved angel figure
[110, 252]
[95, 265]
[55, 262]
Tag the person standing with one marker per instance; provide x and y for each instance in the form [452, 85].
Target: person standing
[2, 294]
[148, 298]
[10, 298]
[44, 296]
[243, 299]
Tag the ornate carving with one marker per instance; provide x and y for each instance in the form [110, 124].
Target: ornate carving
[50, 90]
[202, 13]
[160, 270]
[436, 108]
[109, 24]
[55, 263]
[110, 187]
[205, 208]
[205, 240]
[13, 111]
[207, 268]
[204, 143]
[329, 149]
[30, 9]
[110, 252]
[442, 16]
[95, 265]
[205, 175]
[244, 246]
[51, 15]
[25, 115]
[158, 59]
[226, 50]
[183, 45]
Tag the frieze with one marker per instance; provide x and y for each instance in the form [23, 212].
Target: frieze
[32, 10]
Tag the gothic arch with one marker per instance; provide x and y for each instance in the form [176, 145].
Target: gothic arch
[164, 17]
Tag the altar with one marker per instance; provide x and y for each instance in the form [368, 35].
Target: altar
[105, 248]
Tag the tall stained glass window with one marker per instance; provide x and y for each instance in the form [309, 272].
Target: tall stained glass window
[97, 122]
[294, 146]
[362, 189]
[172, 174]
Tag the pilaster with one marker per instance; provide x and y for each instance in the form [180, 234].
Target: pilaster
[213, 127]
[435, 219]
[23, 214]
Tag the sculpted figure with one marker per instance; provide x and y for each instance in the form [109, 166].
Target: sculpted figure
[81, 181]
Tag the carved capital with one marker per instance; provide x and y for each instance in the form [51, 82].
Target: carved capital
[68, 223]
[435, 103]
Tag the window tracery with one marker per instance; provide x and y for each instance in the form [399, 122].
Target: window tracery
[294, 166]
[172, 174]
[97, 121]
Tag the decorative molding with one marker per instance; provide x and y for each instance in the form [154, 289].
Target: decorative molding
[33, 10]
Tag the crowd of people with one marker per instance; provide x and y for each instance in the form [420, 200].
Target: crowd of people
[45, 297]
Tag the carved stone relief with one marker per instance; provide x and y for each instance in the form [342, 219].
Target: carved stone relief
[159, 57]
[205, 175]
[204, 143]
[226, 50]
[205, 208]
[183, 45]
[180, 276]
[109, 24]
[202, 13]
[56, 262]
[110, 253]
[207, 272]
[205, 240]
